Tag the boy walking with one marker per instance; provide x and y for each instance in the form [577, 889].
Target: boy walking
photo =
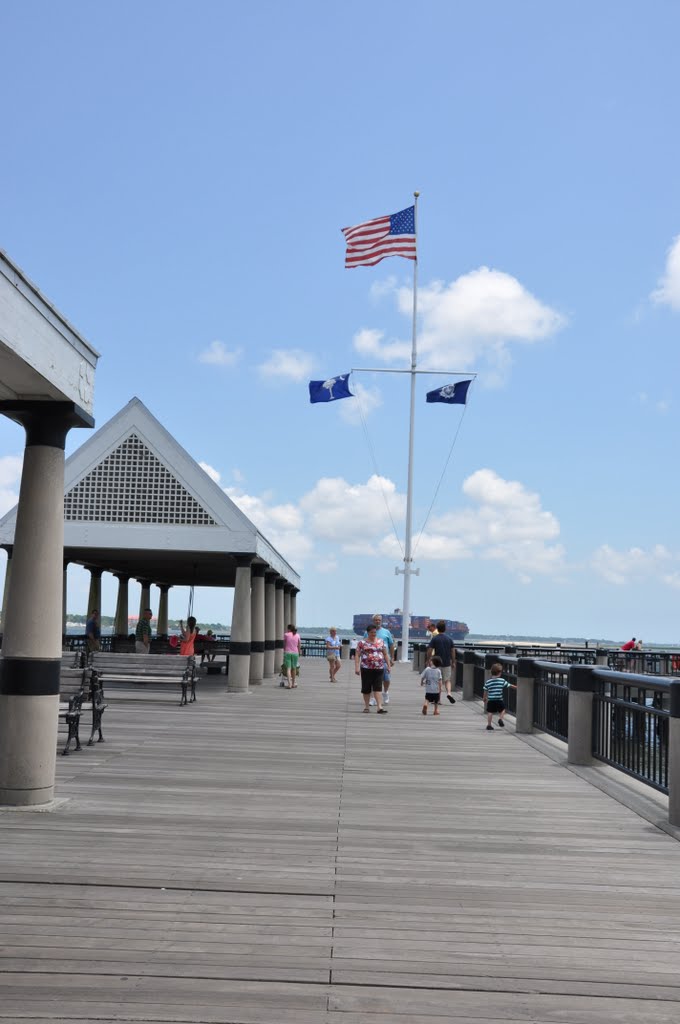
[431, 679]
[494, 690]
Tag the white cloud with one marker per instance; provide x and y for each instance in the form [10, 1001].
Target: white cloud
[668, 290]
[370, 342]
[502, 521]
[282, 525]
[217, 354]
[475, 318]
[635, 564]
[353, 516]
[365, 402]
[291, 364]
[505, 523]
[10, 476]
[212, 473]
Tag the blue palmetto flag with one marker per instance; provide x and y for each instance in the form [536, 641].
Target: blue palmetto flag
[330, 390]
[451, 394]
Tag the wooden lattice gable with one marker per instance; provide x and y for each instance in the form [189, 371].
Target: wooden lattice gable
[132, 471]
[132, 485]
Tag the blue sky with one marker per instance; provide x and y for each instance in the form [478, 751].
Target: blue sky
[175, 176]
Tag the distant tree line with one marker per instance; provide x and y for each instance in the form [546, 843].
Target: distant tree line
[109, 620]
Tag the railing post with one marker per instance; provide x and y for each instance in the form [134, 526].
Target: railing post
[526, 678]
[674, 755]
[601, 656]
[469, 662]
[580, 716]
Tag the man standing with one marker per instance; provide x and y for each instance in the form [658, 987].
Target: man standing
[93, 631]
[384, 634]
[443, 646]
[143, 633]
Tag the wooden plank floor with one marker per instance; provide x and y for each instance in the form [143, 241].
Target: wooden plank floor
[281, 857]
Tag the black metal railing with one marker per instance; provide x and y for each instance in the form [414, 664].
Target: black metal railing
[631, 726]
[551, 698]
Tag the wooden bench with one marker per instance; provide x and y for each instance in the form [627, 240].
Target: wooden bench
[80, 691]
[154, 669]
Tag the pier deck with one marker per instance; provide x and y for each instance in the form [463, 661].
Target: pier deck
[280, 857]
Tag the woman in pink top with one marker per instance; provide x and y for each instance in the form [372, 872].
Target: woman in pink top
[291, 656]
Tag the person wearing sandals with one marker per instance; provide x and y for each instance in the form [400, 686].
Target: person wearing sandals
[333, 653]
[370, 662]
[291, 656]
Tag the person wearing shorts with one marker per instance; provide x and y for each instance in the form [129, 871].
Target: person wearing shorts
[333, 653]
[494, 689]
[431, 679]
[370, 661]
[291, 656]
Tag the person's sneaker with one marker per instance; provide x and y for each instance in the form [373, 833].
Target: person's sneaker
[372, 701]
[489, 728]
[449, 697]
[501, 723]
[386, 698]
[382, 711]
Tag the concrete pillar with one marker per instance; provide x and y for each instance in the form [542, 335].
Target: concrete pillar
[280, 622]
[270, 667]
[469, 663]
[287, 587]
[145, 597]
[64, 598]
[8, 573]
[526, 678]
[674, 755]
[601, 657]
[94, 598]
[239, 644]
[30, 667]
[256, 624]
[293, 604]
[162, 621]
[580, 716]
[121, 625]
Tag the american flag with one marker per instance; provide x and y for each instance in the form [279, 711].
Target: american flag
[371, 242]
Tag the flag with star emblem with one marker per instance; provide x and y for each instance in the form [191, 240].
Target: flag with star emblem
[330, 390]
[452, 394]
[371, 242]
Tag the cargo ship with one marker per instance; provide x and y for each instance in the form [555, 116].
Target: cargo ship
[418, 628]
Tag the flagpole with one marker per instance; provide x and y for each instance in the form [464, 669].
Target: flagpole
[408, 557]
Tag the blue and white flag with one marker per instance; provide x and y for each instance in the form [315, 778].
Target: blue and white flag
[452, 394]
[330, 390]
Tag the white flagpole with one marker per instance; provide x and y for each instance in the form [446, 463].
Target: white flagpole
[408, 558]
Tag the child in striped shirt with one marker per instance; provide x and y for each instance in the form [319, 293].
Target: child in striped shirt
[494, 688]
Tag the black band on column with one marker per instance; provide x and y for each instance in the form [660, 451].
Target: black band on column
[270, 645]
[257, 646]
[239, 647]
[29, 677]
[279, 645]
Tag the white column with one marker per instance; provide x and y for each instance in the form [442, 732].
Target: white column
[293, 605]
[270, 666]
[280, 624]
[287, 619]
[257, 624]
[145, 596]
[64, 599]
[162, 620]
[30, 666]
[94, 598]
[121, 626]
[239, 644]
[8, 573]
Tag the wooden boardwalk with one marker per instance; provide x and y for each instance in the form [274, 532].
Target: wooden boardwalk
[281, 857]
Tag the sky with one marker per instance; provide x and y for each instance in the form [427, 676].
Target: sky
[175, 177]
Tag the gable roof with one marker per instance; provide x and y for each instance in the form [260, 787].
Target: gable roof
[136, 502]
